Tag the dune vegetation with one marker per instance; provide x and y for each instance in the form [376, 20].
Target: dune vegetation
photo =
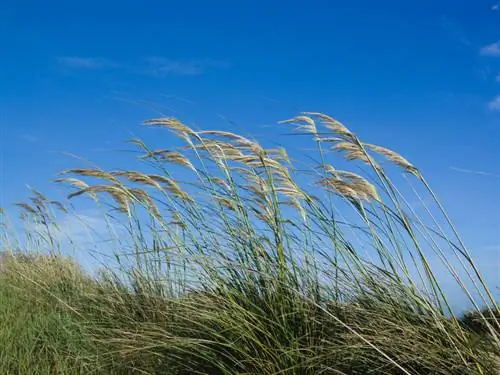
[223, 256]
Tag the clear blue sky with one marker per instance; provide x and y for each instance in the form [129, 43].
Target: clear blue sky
[420, 77]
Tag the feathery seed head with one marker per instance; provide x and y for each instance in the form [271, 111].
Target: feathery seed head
[331, 124]
[172, 124]
[226, 203]
[340, 187]
[27, 208]
[218, 150]
[87, 172]
[394, 157]
[75, 182]
[177, 158]
[144, 198]
[138, 177]
[59, 206]
[305, 123]
[239, 140]
[117, 192]
[177, 219]
[172, 186]
[170, 156]
[364, 188]
[220, 182]
[350, 185]
[355, 152]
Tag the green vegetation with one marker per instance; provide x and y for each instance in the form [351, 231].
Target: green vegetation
[250, 262]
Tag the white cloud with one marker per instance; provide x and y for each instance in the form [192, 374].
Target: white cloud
[92, 63]
[492, 49]
[473, 171]
[82, 228]
[161, 66]
[494, 104]
[79, 230]
[154, 66]
[497, 78]
[496, 7]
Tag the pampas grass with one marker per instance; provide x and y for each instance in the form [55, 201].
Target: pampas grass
[241, 263]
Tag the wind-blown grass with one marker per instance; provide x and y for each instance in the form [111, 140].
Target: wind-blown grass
[234, 261]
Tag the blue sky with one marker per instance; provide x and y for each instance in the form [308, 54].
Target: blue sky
[422, 78]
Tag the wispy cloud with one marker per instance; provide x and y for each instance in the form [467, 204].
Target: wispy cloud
[484, 73]
[496, 7]
[494, 248]
[494, 104]
[472, 171]
[497, 78]
[79, 229]
[153, 66]
[31, 138]
[82, 228]
[92, 63]
[454, 31]
[161, 66]
[492, 49]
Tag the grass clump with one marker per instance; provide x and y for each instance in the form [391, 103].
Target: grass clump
[249, 265]
[38, 334]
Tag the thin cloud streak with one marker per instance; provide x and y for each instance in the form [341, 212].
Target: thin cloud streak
[494, 104]
[90, 63]
[30, 138]
[455, 31]
[471, 171]
[151, 66]
[160, 66]
[492, 49]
